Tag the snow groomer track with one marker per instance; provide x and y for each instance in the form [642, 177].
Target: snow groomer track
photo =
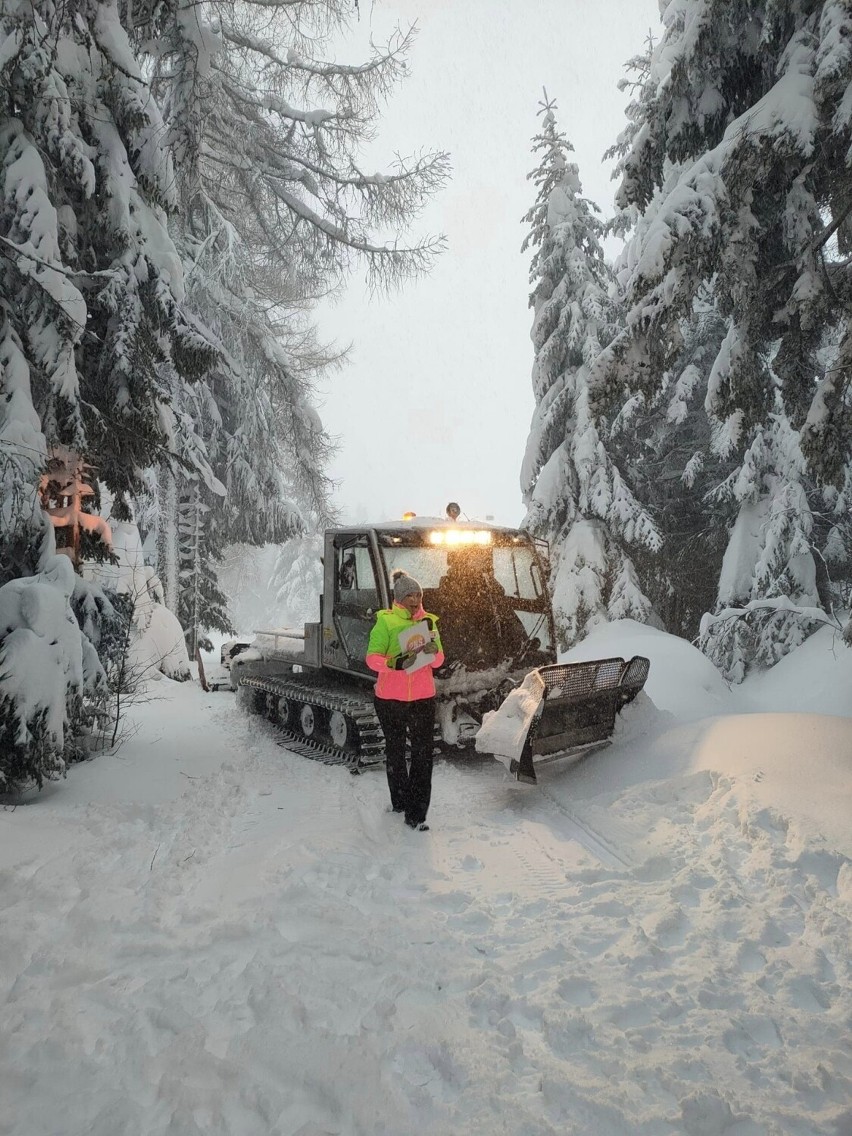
[334, 728]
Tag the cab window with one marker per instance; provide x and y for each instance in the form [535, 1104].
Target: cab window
[354, 579]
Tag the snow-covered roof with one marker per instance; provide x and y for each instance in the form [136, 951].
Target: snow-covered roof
[422, 524]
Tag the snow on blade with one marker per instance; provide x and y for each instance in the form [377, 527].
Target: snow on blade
[504, 730]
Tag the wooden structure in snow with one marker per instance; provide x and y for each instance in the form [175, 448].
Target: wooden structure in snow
[64, 490]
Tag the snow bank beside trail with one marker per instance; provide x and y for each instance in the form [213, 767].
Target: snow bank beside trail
[824, 661]
[640, 718]
[46, 665]
[161, 647]
[816, 678]
[797, 767]
[158, 644]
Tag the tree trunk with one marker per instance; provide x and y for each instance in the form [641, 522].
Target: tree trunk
[167, 539]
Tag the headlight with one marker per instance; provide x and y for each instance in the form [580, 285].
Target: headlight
[460, 536]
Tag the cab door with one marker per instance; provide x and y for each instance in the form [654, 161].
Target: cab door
[356, 599]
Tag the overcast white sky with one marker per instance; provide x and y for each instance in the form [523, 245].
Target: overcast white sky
[435, 402]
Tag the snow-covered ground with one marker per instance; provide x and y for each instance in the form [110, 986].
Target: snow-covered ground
[208, 934]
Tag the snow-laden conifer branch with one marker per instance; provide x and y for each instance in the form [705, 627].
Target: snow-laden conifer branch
[347, 82]
[253, 113]
[711, 218]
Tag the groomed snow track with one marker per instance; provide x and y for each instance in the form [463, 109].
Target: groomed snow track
[336, 728]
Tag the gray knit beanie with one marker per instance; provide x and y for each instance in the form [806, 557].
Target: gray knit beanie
[403, 585]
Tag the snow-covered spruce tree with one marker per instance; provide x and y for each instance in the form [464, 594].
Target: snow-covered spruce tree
[26, 534]
[50, 676]
[202, 606]
[576, 497]
[298, 578]
[741, 183]
[834, 528]
[102, 288]
[48, 669]
[274, 209]
[92, 304]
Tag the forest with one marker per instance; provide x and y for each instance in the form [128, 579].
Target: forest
[183, 184]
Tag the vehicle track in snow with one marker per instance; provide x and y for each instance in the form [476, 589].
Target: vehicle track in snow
[591, 839]
[488, 792]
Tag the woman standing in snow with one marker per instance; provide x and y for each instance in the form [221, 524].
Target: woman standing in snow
[405, 694]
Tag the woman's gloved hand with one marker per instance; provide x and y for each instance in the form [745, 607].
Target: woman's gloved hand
[404, 661]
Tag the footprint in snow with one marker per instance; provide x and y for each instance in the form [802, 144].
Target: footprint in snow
[750, 959]
[577, 991]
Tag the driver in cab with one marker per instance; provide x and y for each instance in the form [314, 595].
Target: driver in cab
[481, 627]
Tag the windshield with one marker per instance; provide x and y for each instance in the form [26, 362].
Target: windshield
[516, 571]
[514, 567]
[426, 565]
[490, 600]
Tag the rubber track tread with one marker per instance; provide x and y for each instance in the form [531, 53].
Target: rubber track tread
[370, 738]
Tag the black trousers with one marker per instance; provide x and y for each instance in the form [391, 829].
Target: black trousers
[410, 789]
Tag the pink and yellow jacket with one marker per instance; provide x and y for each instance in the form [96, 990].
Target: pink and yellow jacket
[383, 648]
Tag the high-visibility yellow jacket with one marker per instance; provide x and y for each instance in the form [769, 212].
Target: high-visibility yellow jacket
[384, 647]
